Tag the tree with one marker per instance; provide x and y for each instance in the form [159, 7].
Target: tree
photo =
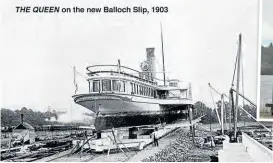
[201, 109]
[12, 118]
[211, 115]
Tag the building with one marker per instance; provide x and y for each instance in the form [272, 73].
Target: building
[24, 131]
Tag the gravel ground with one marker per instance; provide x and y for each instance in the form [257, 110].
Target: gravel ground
[163, 143]
[183, 150]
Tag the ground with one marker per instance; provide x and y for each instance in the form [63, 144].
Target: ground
[181, 149]
[177, 146]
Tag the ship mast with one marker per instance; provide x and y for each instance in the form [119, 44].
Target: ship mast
[162, 47]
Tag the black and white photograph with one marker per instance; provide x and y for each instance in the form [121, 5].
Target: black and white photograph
[135, 81]
[266, 63]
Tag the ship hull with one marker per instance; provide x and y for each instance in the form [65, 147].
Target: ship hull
[116, 121]
[122, 110]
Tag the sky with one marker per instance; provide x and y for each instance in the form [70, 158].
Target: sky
[38, 51]
[267, 22]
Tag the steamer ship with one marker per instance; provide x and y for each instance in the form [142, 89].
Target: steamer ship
[121, 96]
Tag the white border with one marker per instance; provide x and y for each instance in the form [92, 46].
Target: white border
[259, 61]
[259, 64]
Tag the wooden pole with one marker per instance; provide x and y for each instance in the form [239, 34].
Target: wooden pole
[9, 141]
[255, 119]
[191, 124]
[252, 103]
[115, 141]
[225, 118]
[163, 60]
[222, 114]
[231, 111]
[237, 86]
[218, 117]
[75, 147]
[210, 122]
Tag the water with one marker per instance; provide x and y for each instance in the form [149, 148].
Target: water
[266, 93]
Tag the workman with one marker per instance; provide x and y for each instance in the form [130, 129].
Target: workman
[156, 137]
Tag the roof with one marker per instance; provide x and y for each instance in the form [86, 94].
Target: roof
[168, 88]
[24, 125]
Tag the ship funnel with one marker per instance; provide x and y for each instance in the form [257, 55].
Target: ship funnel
[151, 61]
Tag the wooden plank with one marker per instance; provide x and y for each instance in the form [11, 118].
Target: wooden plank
[55, 156]
[36, 152]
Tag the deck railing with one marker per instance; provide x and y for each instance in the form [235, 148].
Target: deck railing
[120, 70]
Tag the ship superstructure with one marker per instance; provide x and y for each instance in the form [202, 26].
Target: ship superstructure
[121, 96]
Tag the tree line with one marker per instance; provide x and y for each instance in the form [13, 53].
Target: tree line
[211, 116]
[34, 118]
[11, 118]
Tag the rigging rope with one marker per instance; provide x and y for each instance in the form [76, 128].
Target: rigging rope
[75, 72]
[78, 73]
[74, 81]
[81, 75]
